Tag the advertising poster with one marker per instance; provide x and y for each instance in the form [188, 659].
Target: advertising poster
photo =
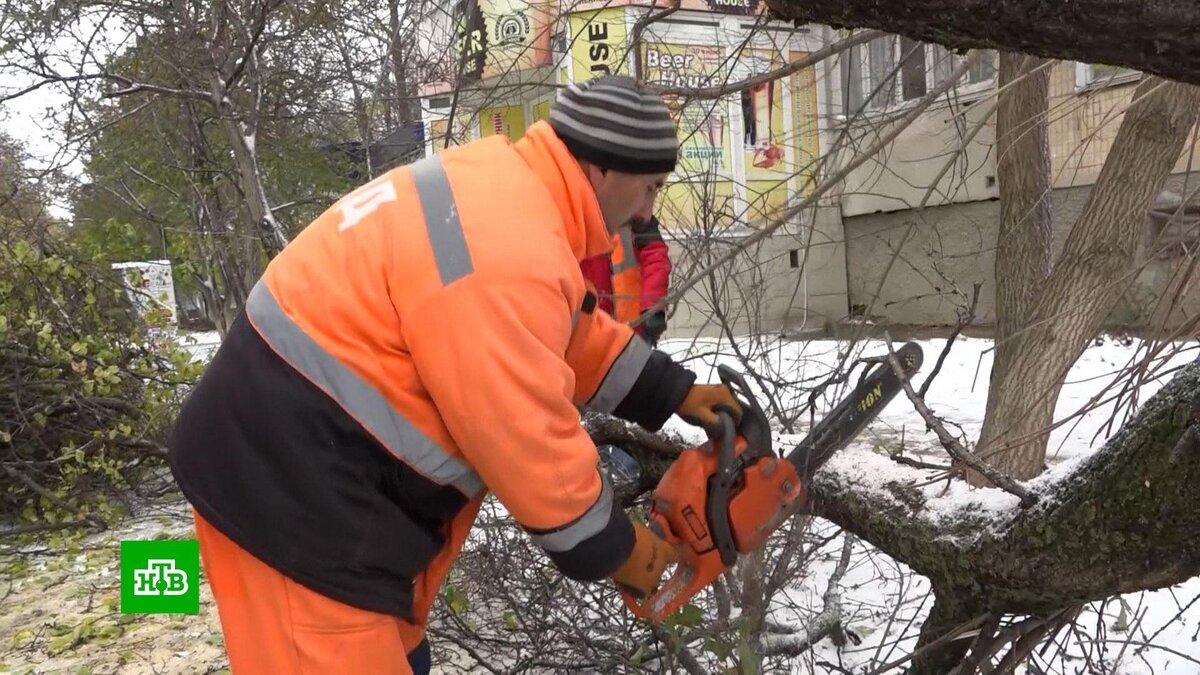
[762, 116]
[504, 120]
[702, 125]
[503, 35]
[598, 43]
[807, 131]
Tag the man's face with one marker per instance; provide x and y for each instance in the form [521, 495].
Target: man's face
[624, 196]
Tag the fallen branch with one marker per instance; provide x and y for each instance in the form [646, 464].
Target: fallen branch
[949, 442]
[825, 624]
[48, 495]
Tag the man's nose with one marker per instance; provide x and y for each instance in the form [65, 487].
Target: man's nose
[646, 211]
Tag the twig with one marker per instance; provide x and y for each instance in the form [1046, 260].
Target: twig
[41, 527]
[48, 495]
[962, 322]
[689, 662]
[962, 630]
[635, 40]
[828, 622]
[951, 444]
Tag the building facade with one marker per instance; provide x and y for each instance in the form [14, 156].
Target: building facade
[898, 241]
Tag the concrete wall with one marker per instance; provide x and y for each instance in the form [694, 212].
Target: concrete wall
[943, 251]
[793, 281]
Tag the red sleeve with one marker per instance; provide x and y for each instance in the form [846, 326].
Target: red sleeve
[655, 261]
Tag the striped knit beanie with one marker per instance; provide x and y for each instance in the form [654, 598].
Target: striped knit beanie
[612, 123]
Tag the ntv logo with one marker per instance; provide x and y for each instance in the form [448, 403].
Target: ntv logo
[160, 577]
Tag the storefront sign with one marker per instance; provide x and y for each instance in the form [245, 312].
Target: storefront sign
[733, 6]
[702, 125]
[598, 43]
[501, 36]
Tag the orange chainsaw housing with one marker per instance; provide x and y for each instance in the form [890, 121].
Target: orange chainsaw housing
[767, 493]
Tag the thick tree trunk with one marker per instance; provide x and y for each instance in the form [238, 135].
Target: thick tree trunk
[1155, 36]
[1087, 279]
[1023, 244]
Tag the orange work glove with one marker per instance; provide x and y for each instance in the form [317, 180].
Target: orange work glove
[702, 402]
[643, 569]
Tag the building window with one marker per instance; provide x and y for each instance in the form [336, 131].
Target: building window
[881, 71]
[984, 69]
[921, 66]
[1091, 75]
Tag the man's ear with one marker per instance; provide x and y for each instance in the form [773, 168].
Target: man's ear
[594, 173]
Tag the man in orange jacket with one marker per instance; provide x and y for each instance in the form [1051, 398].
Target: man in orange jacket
[423, 342]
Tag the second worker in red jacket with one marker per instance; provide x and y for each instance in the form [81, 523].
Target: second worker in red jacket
[634, 277]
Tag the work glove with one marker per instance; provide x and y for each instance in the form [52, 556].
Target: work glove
[652, 327]
[641, 572]
[702, 402]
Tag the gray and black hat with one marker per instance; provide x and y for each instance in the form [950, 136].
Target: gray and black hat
[612, 123]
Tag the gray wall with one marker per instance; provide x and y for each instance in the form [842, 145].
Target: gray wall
[945, 249]
[763, 290]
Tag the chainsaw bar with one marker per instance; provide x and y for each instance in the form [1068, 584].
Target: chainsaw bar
[876, 388]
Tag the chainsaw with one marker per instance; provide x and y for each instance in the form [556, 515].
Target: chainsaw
[724, 498]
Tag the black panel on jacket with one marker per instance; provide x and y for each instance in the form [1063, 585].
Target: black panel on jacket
[656, 395]
[601, 554]
[277, 466]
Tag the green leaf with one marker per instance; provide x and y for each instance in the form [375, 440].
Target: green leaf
[638, 655]
[690, 615]
[455, 600]
[722, 649]
[510, 619]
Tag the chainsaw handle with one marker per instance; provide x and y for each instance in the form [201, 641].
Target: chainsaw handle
[720, 489]
[754, 426]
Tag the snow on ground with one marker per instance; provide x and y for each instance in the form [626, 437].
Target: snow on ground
[200, 344]
[1141, 633]
[884, 603]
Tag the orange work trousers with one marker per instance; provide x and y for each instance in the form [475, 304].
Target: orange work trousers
[273, 625]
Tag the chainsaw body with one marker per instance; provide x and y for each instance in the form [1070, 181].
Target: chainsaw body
[717, 502]
[725, 498]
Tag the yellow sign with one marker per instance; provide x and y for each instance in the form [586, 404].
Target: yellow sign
[598, 43]
[500, 36]
[504, 120]
[673, 65]
[702, 125]
[807, 135]
[541, 111]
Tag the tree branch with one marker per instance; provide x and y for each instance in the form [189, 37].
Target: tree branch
[949, 442]
[1144, 35]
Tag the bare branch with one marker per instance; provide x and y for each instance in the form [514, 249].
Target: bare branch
[951, 444]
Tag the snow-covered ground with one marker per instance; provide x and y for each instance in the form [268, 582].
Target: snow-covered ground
[1153, 632]
[883, 602]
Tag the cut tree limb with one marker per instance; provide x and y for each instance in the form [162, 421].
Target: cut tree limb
[1154, 36]
[1124, 520]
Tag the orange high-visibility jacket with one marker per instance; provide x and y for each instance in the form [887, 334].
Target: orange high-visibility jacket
[424, 341]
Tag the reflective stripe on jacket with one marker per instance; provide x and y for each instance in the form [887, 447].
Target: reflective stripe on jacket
[424, 341]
